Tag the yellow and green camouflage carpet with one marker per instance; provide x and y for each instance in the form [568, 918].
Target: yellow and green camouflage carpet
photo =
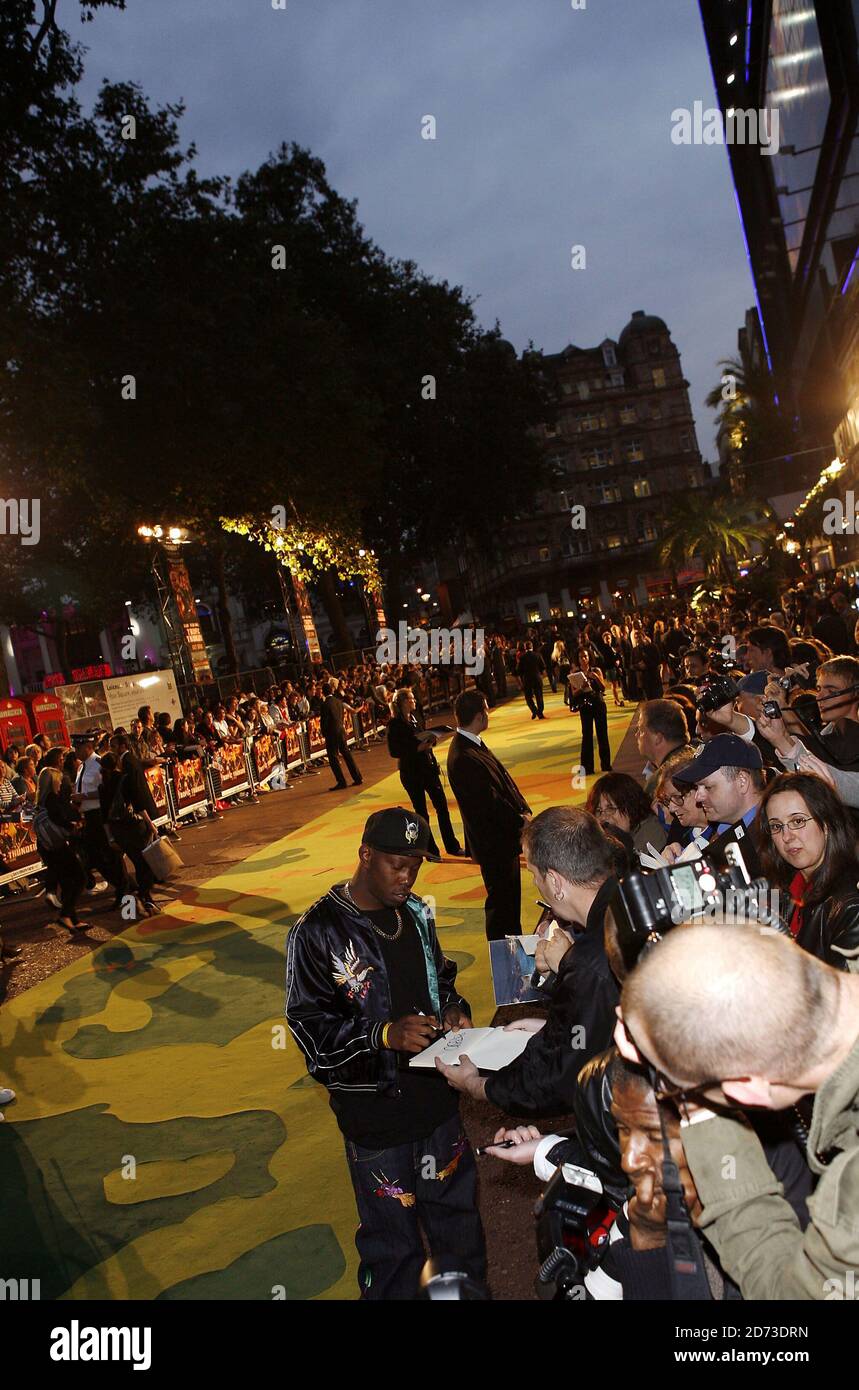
[166, 1141]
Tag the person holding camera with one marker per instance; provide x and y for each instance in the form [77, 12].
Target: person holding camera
[808, 851]
[585, 695]
[736, 1017]
[837, 697]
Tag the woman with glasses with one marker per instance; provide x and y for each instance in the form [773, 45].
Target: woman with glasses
[676, 804]
[619, 803]
[808, 851]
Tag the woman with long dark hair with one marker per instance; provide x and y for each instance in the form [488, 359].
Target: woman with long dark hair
[807, 847]
[619, 803]
[55, 824]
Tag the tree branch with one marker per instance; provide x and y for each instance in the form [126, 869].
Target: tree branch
[49, 23]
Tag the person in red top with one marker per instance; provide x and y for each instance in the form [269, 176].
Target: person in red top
[808, 851]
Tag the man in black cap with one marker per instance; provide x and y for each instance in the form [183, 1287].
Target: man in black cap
[729, 781]
[367, 986]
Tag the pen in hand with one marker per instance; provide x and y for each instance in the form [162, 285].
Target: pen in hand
[502, 1144]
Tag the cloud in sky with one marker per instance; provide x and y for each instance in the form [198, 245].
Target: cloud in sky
[553, 129]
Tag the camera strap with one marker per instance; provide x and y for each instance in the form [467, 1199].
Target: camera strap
[685, 1255]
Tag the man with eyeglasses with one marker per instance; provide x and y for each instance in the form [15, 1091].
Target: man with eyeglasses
[729, 783]
[737, 1017]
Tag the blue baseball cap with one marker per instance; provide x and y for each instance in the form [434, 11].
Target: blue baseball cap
[755, 684]
[725, 750]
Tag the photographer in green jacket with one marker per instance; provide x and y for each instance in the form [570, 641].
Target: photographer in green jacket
[738, 1017]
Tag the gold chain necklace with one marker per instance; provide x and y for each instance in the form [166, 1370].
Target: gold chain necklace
[385, 935]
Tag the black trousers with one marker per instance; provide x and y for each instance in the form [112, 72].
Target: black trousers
[418, 789]
[99, 853]
[595, 714]
[68, 872]
[336, 748]
[533, 692]
[427, 1188]
[503, 896]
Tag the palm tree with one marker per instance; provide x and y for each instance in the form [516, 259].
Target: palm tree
[752, 426]
[718, 534]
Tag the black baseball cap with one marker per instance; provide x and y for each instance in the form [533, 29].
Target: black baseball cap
[397, 831]
[725, 750]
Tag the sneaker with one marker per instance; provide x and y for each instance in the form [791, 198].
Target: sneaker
[100, 887]
[6, 1095]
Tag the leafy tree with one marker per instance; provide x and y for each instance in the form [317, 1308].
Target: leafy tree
[720, 534]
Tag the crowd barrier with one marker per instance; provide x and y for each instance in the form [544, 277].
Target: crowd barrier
[183, 787]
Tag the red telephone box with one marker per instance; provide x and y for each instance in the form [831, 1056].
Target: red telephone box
[14, 724]
[48, 716]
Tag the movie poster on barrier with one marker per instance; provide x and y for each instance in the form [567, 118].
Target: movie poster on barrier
[292, 754]
[233, 769]
[157, 783]
[315, 741]
[265, 756]
[19, 853]
[189, 786]
[349, 728]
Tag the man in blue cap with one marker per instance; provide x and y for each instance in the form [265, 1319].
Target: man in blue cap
[367, 986]
[729, 780]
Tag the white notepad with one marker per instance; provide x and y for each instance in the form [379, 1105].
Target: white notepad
[489, 1049]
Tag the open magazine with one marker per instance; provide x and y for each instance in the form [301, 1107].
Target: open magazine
[489, 1049]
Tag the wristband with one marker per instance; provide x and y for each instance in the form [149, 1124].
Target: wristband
[385, 1032]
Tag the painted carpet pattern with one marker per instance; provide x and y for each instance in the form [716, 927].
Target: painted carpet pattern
[166, 1141]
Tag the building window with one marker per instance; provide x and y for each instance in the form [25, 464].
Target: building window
[608, 355]
[598, 458]
[692, 477]
[685, 440]
[655, 411]
[614, 542]
[610, 492]
[567, 388]
[616, 379]
[634, 451]
[641, 487]
[584, 391]
[593, 422]
[653, 347]
[545, 553]
[628, 415]
[551, 430]
[658, 376]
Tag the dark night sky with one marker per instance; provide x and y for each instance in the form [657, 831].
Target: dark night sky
[553, 128]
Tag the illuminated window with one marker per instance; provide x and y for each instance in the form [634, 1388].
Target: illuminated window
[634, 451]
[658, 376]
[628, 415]
[641, 487]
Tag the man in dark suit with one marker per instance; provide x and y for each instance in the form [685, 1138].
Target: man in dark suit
[530, 669]
[335, 736]
[494, 814]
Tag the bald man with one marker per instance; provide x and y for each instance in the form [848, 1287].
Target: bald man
[738, 1016]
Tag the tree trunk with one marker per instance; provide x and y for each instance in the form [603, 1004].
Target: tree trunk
[224, 616]
[334, 609]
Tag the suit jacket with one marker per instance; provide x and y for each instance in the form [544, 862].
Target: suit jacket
[491, 805]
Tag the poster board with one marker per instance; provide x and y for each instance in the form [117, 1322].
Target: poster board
[157, 783]
[232, 766]
[266, 756]
[19, 853]
[190, 792]
[315, 741]
[292, 754]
